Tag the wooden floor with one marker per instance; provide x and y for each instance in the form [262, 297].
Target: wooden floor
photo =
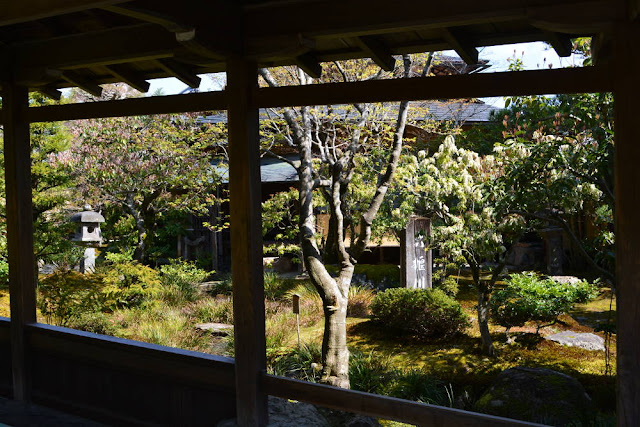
[18, 414]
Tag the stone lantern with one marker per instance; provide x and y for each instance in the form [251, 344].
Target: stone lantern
[87, 234]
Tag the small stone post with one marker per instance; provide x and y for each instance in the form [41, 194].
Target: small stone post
[416, 262]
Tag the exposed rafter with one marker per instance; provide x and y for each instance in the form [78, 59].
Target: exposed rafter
[378, 52]
[309, 63]
[82, 83]
[561, 43]
[180, 71]
[463, 48]
[185, 33]
[116, 45]
[170, 23]
[129, 76]
[50, 92]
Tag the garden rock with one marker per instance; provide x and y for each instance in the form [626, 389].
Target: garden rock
[217, 329]
[576, 339]
[537, 395]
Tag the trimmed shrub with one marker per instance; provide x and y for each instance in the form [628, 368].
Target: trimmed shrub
[181, 279]
[448, 285]
[418, 312]
[128, 283]
[529, 297]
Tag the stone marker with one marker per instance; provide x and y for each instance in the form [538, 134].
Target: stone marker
[416, 261]
[577, 339]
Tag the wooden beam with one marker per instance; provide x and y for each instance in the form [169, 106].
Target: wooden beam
[627, 226]
[111, 46]
[309, 63]
[388, 408]
[362, 17]
[180, 71]
[15, 12]
[185, 33]
[191, 102]
[246, 238]
[129, 76]
[171, 23]
[561, 43]
[464, 49]
[84, 84]
[378, 52]
[567, 80]
[50, 92]
[19, 217]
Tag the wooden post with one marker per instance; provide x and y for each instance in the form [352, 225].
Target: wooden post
[627, 222]
[22, 279]
[246, 242]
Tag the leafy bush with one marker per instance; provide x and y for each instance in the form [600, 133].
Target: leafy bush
[419, 312]
[98, 323]
[128, 283]
[181, 279]
[529, 297]
[65, 295]
[448, 285]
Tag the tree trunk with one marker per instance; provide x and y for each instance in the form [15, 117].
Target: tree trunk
[483, 321]
[335, 355]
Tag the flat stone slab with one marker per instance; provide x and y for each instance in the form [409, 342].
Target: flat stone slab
[220, 329]
[578, 339]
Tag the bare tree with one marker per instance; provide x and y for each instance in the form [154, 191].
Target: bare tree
[328, 143]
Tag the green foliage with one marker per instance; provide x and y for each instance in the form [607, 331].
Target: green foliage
[528, 297]
[420, 313]
[276, 288]
[181, 278]
[299, 363]
[360, 299]
[212, 310]
[128, 283]
[4, 272]
[373, 373]
[449, 286]
[95, 322]
[65, 295]
[145, 167]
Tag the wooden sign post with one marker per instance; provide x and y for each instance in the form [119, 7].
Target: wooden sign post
[295, 301]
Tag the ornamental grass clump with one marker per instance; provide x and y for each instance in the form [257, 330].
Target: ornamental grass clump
[419, 313]
[528, 297]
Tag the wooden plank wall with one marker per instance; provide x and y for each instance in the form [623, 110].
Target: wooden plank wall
[121, 382]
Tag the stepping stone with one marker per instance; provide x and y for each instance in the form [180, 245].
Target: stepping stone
[577, 339]
[219, 329]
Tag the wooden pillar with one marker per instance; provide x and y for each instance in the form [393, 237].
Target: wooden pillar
[627, 220]
[246, 242]
[22, 278]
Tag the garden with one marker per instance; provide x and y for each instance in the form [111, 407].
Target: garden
[487, 321]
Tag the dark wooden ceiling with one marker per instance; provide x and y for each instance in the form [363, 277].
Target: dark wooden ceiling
[60, 43]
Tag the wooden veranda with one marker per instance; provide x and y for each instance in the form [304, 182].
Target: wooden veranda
[50, 44]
